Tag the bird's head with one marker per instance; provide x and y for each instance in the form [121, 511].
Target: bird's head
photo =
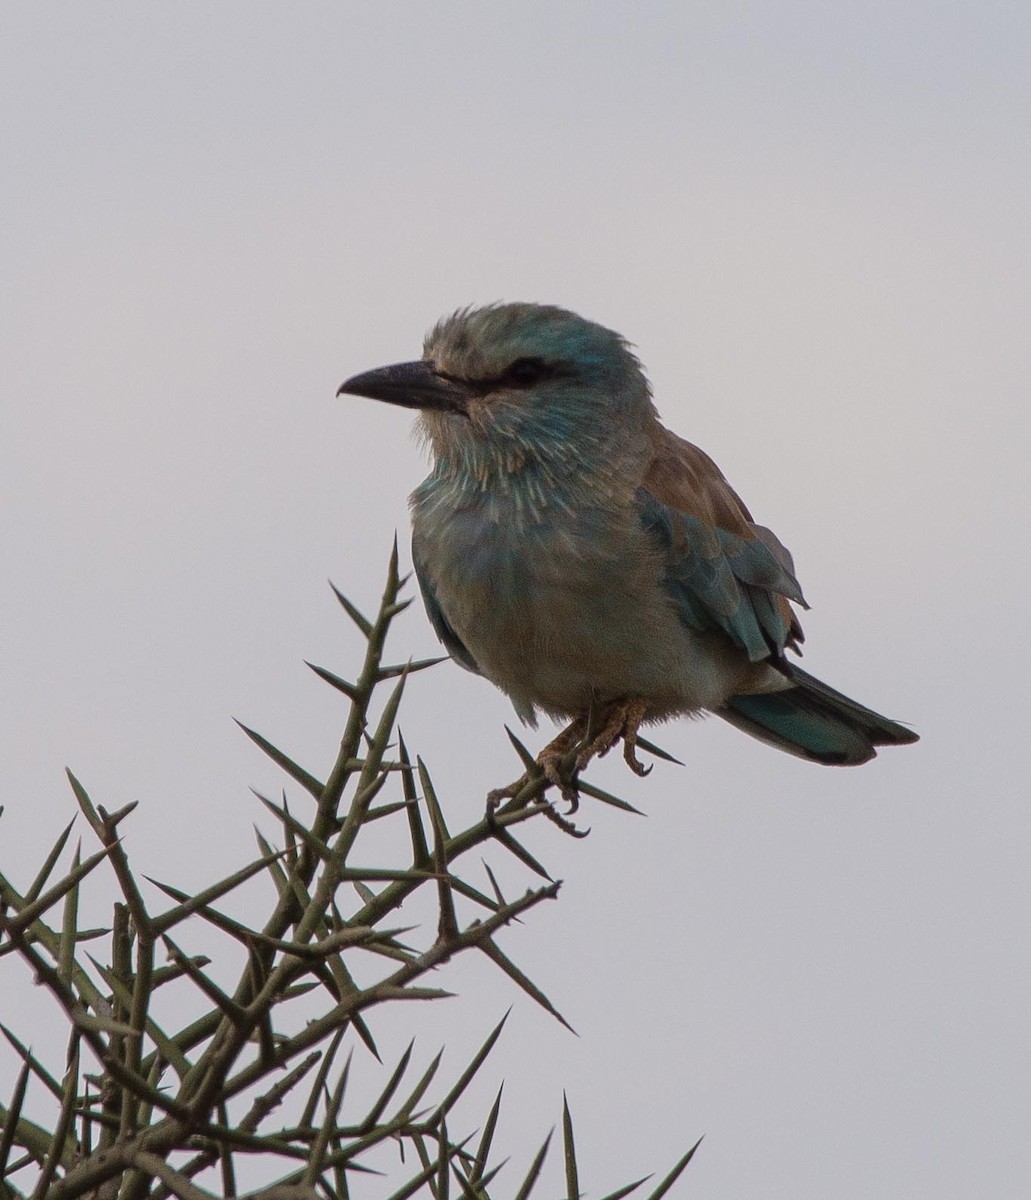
[516, 377]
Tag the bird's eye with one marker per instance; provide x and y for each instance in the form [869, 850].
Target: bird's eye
[525, 372]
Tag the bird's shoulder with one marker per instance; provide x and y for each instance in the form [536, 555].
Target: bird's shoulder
[683, 476]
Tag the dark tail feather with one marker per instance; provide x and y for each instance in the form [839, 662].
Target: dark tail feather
[814, 721]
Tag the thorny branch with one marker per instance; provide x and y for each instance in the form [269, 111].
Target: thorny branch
[139, 1093]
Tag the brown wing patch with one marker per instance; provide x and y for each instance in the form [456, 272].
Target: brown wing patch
[684, 477]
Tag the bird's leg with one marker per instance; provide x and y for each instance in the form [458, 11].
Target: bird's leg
[622, 720]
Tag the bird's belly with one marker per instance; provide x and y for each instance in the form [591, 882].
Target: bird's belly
[560, 621]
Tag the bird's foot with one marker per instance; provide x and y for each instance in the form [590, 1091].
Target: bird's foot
[553, 763]
[565, 756]
[553, 760]
[563, 822]
[541, 803]
[622, 719]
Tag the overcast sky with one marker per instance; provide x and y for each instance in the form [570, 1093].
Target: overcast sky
[812, 220]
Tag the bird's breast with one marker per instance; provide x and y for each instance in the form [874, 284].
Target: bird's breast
[566, 609]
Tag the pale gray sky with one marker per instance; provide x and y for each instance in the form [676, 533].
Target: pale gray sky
[812, 220]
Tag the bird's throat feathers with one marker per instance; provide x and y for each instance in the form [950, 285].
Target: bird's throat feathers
[525, 471]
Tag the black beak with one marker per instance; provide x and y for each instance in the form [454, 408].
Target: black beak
[412, 385]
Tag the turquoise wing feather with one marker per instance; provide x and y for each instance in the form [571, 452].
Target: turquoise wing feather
[721, 580]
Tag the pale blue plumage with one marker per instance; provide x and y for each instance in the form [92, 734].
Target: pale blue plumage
[576, 553]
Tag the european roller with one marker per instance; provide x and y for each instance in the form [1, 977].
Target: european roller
[590, 563]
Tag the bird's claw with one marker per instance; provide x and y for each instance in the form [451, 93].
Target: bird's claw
[495, 799]
[635, 764]
[563, 822]
[632, 721]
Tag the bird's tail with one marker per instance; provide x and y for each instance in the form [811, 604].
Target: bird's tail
[814, 721]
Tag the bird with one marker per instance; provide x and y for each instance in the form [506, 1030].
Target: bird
[589, 562]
